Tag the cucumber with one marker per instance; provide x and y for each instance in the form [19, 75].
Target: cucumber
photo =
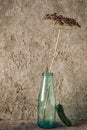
[63, 117]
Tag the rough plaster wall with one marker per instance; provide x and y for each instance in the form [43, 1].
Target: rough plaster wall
[26, 48]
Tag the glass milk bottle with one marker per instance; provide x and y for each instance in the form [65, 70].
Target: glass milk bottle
[47, 102]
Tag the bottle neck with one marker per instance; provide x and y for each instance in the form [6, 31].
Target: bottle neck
[47, 81]
[48, 77]
[47, 74]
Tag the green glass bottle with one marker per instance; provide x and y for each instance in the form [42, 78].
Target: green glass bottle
[47, 102]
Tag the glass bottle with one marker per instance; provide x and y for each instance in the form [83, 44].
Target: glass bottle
[46, 102]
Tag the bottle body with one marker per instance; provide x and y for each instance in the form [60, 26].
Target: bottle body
[46, 102]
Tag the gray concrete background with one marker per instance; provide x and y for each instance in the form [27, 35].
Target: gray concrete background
[26, 47]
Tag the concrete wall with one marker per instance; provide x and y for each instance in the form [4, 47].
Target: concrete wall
[26, 47]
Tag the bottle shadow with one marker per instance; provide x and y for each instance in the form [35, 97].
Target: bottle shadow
[34, 126]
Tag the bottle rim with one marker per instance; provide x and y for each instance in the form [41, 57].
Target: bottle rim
[47, 74]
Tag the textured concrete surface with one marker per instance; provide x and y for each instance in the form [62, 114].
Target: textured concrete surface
[26, 47]
[26, 125]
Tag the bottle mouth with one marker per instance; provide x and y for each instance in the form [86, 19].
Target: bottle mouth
[47, 74]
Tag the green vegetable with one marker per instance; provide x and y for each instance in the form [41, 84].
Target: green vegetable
[63, 117]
